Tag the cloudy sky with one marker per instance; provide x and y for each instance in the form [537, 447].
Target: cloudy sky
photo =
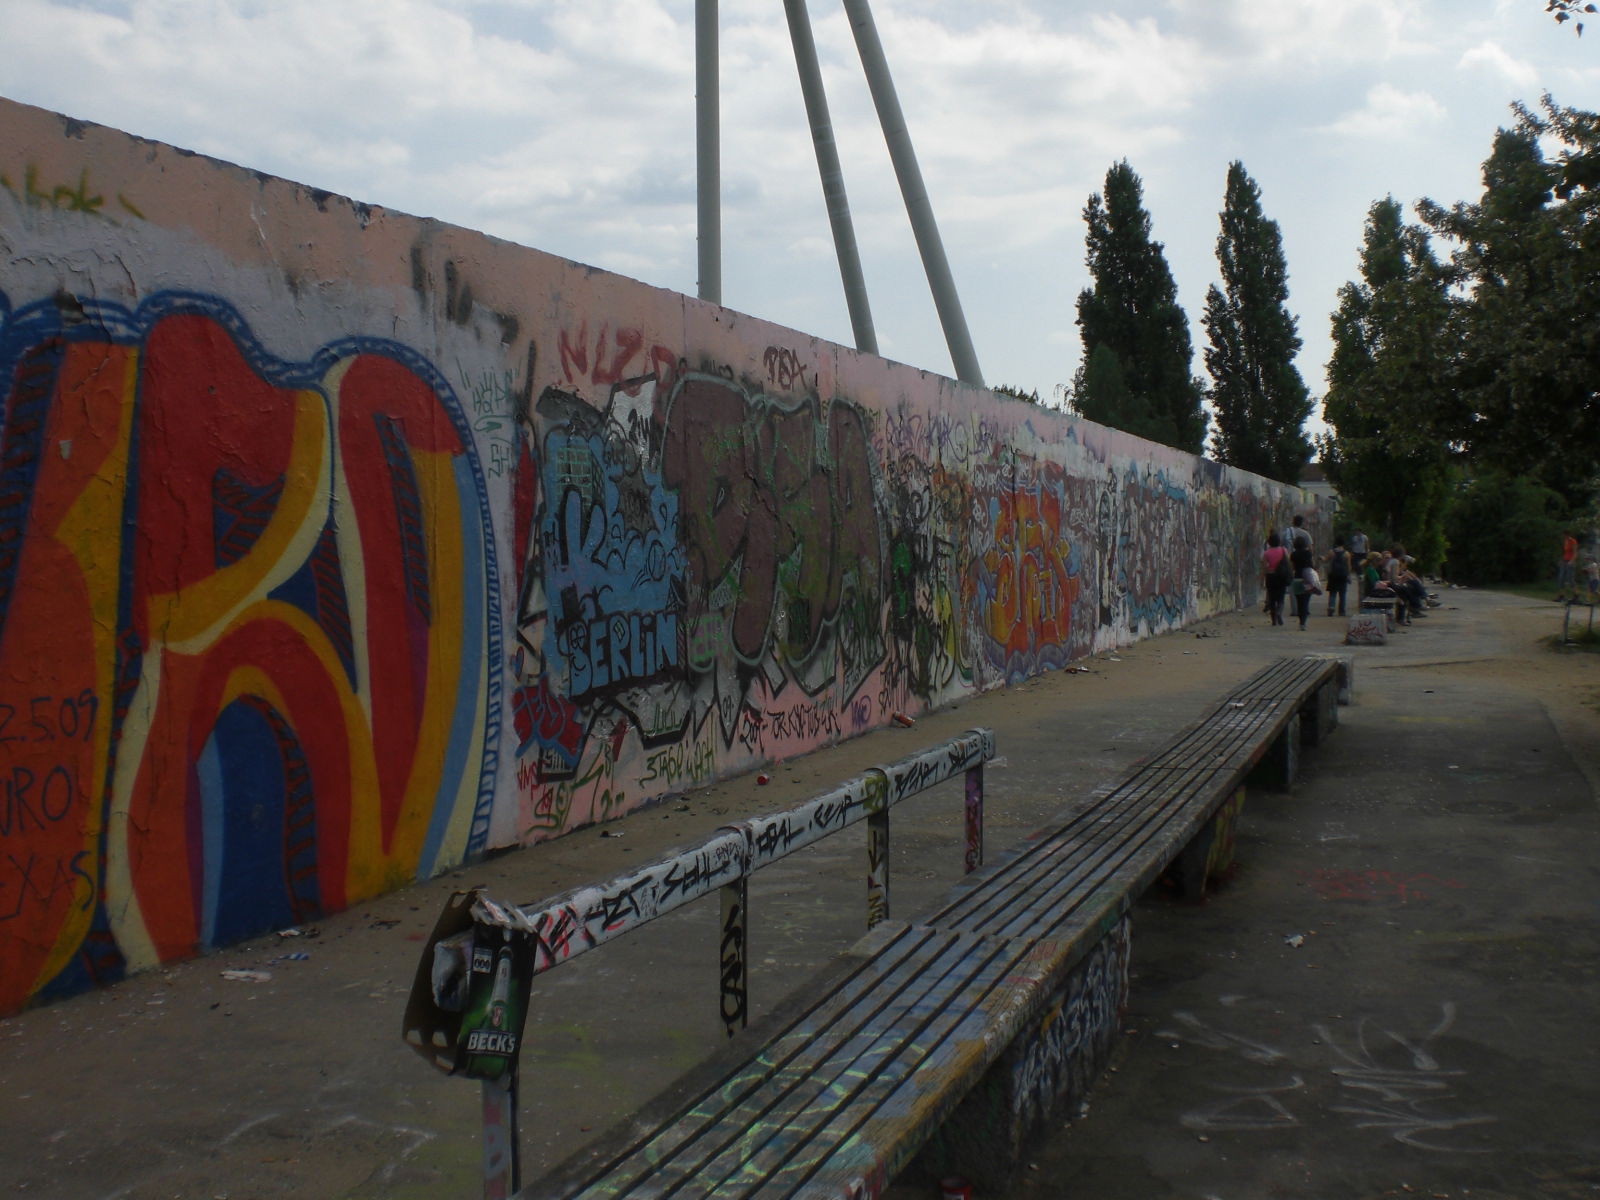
[568, 125]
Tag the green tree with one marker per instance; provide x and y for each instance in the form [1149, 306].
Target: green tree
[1527, 260]
[1135, 373]
[1389, 402]
[1016, 393]
[1259, 400]
[1503, 529]
[1100, 393]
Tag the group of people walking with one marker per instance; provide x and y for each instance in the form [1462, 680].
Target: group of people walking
[1289, 570]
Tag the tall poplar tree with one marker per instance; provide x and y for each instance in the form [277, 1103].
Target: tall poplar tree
[1390, 388]
[1258, 398]
[1135, 373]
[1527, 259]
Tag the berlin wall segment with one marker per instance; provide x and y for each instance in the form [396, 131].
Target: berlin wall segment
[338, 546]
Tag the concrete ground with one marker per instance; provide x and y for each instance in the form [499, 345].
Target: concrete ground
[1397, 993]
[1393, 996]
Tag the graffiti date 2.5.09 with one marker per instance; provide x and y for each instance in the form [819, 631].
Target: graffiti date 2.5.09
[50, 718]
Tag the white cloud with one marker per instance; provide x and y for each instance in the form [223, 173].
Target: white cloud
[569, 125]
[1491, 58]
[1298, 36]
[1389, 114]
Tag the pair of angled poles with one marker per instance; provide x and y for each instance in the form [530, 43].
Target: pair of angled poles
[907, 173]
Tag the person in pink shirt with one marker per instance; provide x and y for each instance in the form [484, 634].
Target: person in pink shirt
[1276, 573]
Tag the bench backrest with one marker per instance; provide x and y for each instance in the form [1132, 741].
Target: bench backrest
[566, 925]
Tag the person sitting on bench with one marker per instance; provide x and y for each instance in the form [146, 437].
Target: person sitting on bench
[1384, 579]
[1410, 586]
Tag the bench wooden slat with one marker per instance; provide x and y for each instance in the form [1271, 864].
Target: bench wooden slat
[1257, 709]
[928, 1036]
[1275, 692]
[891, 955]
[1018, 891]
[1081, 867]
[1281, 680]
[844, 1054]
[1236, 740]
[822, 1059]
[1233, 736]
[1089, 886]
[872, 1143]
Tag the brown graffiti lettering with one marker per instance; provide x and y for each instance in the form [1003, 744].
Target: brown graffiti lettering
[784, 368]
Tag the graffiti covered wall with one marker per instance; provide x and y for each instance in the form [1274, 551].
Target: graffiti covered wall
[339, 546]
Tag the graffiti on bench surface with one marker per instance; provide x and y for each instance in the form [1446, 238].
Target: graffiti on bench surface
[1057, 1066]
[735, 966]
[598, 913]
[774, 835]
[921, 771]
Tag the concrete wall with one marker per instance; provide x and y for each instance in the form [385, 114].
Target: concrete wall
[339, 546]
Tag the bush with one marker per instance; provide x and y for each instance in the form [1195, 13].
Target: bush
[1504, 529]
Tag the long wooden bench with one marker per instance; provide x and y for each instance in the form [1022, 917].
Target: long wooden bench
[1072, 884]
[953, 1037]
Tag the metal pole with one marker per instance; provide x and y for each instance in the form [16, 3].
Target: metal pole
[708, 150]
[734, 993]
[844, 236]
[877, 868]
[502, 1169]
[915, 193]
[974, 807]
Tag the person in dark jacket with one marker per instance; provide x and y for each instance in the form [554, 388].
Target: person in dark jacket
[1338, 576]
[1300, 562]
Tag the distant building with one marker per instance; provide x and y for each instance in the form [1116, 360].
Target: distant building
[1314, 480]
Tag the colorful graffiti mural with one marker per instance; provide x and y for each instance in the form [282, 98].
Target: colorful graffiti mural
[244, 635]
[691, 559]
[263, 451]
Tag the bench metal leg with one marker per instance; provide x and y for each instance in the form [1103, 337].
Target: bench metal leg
[502, 1174]
[735, 955]
[877, 868]
[975, 817]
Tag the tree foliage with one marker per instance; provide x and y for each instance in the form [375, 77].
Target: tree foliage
[1527, 267]
[1389, 389]
[1503, 529]
[1569, 10]
[1259, 400]
[1016, 393]
[1135, 373]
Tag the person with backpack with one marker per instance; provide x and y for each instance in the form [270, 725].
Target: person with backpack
[1276, 574]
[1304, 581]
[1338, 576]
